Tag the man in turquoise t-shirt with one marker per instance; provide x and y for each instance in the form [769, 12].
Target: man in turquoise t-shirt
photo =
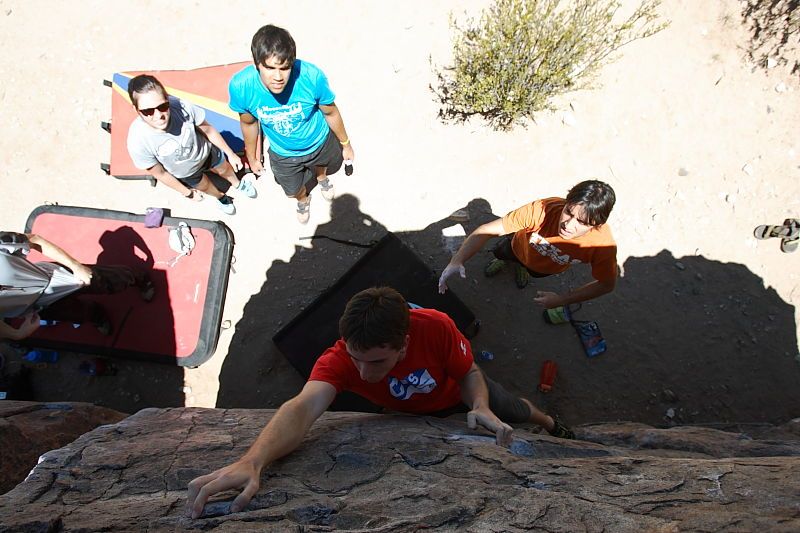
[294, 105]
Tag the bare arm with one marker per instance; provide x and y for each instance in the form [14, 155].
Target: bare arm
[284, 432]
[250, 133]
[591, 290]
[218, 141]
[335, 122]
[40, 244]
[29, 325]
[161, 174]
[473, 243]
[475, 395]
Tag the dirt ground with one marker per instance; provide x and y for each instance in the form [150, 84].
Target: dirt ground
[700, 145]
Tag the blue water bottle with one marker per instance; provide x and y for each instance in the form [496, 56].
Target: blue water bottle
[41, 356]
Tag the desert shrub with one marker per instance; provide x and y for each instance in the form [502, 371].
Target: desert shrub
[522, 53]
[774, 32]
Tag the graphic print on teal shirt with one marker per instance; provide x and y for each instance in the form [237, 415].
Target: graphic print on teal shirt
[284, 120]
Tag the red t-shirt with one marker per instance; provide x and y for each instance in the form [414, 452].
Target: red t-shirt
[538, 246]
[424, 381]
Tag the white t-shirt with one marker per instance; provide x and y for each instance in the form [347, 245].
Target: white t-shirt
[181, 148]
[26, 286]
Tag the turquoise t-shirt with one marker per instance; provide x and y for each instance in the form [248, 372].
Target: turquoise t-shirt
[291, 121]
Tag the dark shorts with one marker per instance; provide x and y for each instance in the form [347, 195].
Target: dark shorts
[503, 250]
[508, 408]
[292, 173]
[214, 159]
[106, 279]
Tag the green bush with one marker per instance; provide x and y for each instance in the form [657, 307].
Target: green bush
[775, 32]
[522, 53]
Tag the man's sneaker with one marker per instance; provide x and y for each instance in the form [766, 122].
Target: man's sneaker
[493, 267]
[521, 277]
[326, 187]
[226, 205]
[560, 430]
[246, 185]
[304, 211]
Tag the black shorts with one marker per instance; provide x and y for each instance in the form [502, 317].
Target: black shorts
[503, 250]
[292, 173]
[214, 159]
[508, 408]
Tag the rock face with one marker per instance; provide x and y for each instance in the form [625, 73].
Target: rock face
[395, 473]
[28, 429]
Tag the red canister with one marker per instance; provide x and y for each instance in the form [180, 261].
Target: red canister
[548, 375]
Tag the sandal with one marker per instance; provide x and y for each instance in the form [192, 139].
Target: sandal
[790, 229]
[561, 431]
[789, 245]
[768, 232]
[493, 267]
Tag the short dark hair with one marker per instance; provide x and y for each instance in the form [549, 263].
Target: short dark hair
[375, 317]
[272, 41]
[597, 199]
[144, 83]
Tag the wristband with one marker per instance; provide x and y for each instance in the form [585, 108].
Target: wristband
[345, 142]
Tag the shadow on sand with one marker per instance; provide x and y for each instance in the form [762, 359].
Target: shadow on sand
[703, 338]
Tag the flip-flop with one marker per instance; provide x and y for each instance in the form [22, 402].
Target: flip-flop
[767, 232]
[794, 226]
[789, 245]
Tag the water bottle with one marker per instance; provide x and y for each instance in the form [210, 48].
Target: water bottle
[41, 356]
[46, 323]
[548, 375]
[486, 355]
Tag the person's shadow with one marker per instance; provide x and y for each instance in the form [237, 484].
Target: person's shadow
[138, 381]
[132, 317]
[690, 340]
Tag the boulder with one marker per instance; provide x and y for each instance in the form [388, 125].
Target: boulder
[28, 429]
[392, 473]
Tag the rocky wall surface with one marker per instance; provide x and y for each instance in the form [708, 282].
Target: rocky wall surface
[357, 472]
[29, 429]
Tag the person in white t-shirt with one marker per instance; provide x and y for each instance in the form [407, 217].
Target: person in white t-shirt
[172, 141]
[48, 289]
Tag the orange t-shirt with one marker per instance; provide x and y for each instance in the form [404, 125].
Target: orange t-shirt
[538, 246]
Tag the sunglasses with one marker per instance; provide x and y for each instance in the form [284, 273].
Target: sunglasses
[148, 112]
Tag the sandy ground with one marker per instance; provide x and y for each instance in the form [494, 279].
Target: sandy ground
[698, 144]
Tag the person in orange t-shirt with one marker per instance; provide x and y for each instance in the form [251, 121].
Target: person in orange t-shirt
[548, 236]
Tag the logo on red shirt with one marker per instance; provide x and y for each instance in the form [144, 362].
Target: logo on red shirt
[417, 381]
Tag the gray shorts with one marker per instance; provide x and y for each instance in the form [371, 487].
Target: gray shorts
[508, 408]
[292, 173]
